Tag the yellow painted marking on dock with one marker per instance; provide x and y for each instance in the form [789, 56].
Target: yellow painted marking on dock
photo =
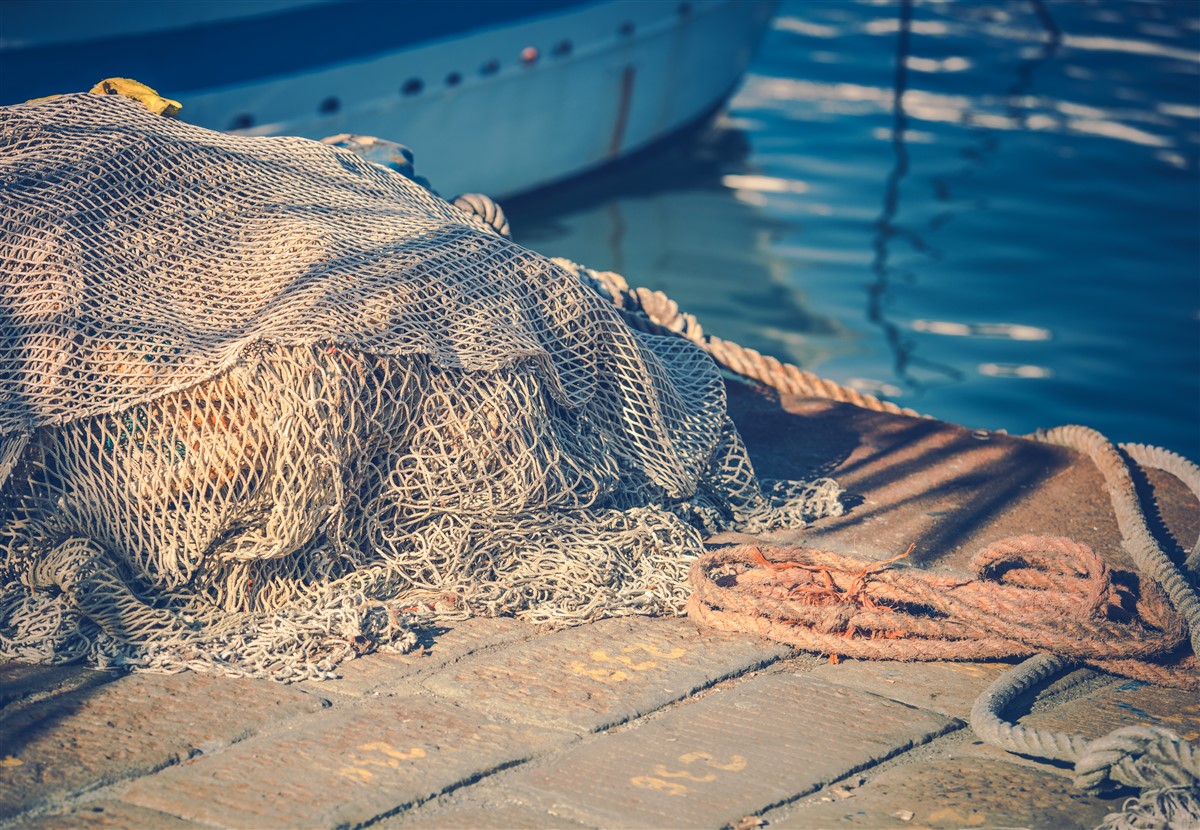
[658, 781]
[655, 651]
[628, 664]
[392, 758]
[603, 675]
[395, 754]
[602, 656]
[356, 774]
[736, 763]
[662, 772]
[648, 783]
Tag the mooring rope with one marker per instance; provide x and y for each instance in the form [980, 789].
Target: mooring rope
[1136, 538]
[1157, 458]
[1146, 757]
[656, 313]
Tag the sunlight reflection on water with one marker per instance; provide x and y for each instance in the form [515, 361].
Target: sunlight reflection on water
[1040, 170]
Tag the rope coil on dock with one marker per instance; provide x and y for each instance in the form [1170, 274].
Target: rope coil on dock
[1030, 594]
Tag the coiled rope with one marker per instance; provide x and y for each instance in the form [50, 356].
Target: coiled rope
[1030, 594]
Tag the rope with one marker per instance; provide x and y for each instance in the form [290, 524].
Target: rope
[485, 208]
[1030, 594]
[1136, 538]
[1169, 808]
[1146, 757]
[12, 447]
[656, 313]
[1188, 473]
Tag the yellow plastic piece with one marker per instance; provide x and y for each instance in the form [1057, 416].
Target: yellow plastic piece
[130, 89]
[138, 92]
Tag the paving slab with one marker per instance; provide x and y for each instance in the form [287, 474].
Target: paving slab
[349, 768]
[376, 674]
[951, 794]
[487, 686]
[1125, 703]
[93, 736]
[594, 676]
[108, 815]
[733, 752]
[948, 688]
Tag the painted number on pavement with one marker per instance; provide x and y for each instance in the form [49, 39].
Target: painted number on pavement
[377, 754]
[601, 664]
[698, 766]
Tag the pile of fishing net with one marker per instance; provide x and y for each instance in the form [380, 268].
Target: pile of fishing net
[265, 405]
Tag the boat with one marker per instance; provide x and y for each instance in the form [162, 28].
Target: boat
[499, 98]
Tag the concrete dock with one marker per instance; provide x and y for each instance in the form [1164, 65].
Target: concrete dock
[631, 722]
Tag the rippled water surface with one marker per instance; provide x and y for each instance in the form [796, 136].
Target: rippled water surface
[1015, 245]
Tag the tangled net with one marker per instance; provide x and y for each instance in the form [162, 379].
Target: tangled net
[267, 405]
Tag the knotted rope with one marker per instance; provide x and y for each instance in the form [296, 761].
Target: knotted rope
[1149, 557]
[1157, 761]
[1138, 756]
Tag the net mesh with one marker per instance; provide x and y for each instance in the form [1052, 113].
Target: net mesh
[265, 405]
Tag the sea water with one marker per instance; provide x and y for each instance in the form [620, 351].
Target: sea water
[988, 212]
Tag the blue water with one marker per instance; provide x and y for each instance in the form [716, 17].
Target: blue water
[1016, 246]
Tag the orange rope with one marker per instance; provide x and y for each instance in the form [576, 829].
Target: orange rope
[1030, 594]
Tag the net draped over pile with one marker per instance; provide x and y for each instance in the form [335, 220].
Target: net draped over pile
[264, 403]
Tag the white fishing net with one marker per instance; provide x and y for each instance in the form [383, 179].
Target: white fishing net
[265, 405]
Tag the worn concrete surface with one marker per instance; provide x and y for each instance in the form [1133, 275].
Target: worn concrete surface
[625, 723]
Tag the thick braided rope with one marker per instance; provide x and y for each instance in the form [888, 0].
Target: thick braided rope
[656, 313]
[486, 208]
[1142, 756]
[1165, 807]
[1136, 537]
[12, 446]
[1145, 757]
[1188, 473]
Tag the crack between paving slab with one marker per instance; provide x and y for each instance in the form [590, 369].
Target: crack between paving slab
[719, 685]
[733, 678]
[695, 692]
[458, 785]
[68, 686]
[876, 764]
[58, 803]
[53, 804]
[106, 792]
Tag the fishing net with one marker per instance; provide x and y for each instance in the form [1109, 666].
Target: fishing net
[265, 405]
